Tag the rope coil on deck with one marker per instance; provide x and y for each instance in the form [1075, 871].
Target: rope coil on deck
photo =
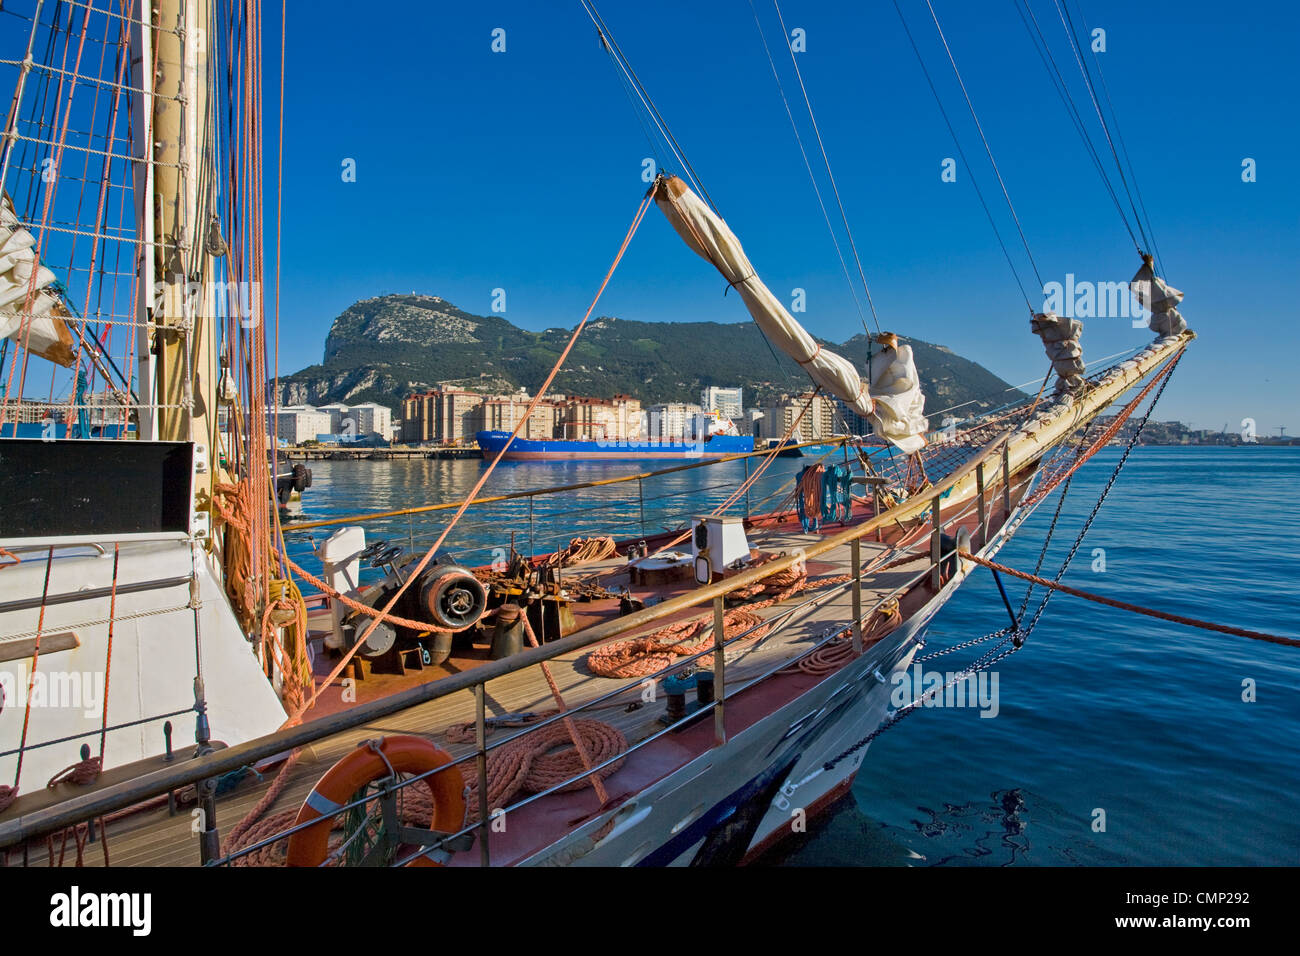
[582, 551]
[543, 758]
[651, 653]
[832, 656]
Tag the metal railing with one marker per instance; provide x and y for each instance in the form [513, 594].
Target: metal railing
[389, 788]
[117, 796]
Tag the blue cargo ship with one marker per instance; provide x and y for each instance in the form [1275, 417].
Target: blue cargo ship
[558, 449]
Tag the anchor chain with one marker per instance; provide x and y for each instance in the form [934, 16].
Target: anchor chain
[1017, 635]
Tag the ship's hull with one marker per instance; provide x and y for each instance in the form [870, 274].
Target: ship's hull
[526, 449]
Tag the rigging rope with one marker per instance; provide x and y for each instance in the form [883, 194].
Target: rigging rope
[1136, 609]
[415, 573]
[839, 253]
[1072, 111]
[624, 66]
[1164, 377]
[1010, 639]
[1155, 248]
[965, 162]
[987, 148]
[1067, 22]
[825, 159]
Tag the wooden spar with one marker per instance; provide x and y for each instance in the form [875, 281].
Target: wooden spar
[554, 489]
[181, 377]
[142, 72]
[173, 777]
[1017, 461]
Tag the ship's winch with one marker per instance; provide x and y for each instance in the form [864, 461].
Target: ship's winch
[489, 606]
[445, 594]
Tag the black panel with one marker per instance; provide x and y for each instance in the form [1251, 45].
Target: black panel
[54, 488]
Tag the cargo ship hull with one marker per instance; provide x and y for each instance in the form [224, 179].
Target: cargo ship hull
[526, 449]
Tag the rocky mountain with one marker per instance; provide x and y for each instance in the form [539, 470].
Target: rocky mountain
[382, 349]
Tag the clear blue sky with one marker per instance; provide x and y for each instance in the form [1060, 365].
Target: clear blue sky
[521, 170]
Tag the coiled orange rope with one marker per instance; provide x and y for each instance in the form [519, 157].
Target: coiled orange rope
[646, 655]
[582, 551]
[832, 656]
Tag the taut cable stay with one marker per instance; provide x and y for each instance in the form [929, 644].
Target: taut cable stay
[848, 231]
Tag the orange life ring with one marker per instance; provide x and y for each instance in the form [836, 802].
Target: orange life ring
[309, 846]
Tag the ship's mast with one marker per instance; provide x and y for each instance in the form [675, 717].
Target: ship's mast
[177, 298]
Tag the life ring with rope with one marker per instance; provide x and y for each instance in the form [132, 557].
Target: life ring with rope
[375, 760]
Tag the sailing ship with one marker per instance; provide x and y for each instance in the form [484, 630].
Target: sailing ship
[663, 697]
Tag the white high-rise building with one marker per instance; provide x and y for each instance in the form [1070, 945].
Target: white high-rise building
[359, 421]
[673, 421]
[725, 401]
[370, 418]
[296, 424]
[337, 412]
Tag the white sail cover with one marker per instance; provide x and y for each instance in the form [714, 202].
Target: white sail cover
[1060, 337]
[899, 419]
[896, 390]
[1160, 299]
[46, 334]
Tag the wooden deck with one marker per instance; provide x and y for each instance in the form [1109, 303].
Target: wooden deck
[153, 838]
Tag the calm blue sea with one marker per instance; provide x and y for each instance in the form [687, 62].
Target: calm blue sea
[1100, 711]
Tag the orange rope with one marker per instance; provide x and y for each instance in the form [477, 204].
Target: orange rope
[365, 608]
[832, 656]
[582, 551]
[651, 653]
[26, 327]
[1111, 431]
[87, 771]
[1136, 609]
[428, 556]
[569, 725]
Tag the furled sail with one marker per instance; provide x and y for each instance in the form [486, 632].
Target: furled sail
[1160, 299]
[896, 390]
[1060, 335]
[46, 334]
[896, 414]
